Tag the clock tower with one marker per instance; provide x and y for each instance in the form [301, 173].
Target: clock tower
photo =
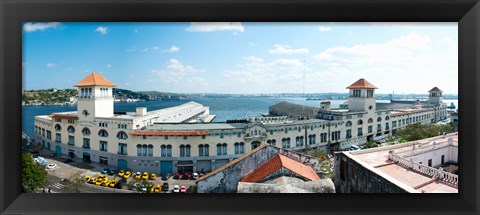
[95, 97]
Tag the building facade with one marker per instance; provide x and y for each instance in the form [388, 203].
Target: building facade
[183, 138]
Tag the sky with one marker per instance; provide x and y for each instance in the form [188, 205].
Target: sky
[250, 58]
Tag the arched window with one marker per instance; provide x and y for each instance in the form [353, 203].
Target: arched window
[122, 135]
[219, 149]
[387, 118]
[86, 131]
[139, 150]
[239, 148]
[348, 124]
[360, 122]
[203, 150]
[150, 150]
[184, 150]
[379, 119]
[71, 129]
[58, 127]
[370, 120]
[103, 133]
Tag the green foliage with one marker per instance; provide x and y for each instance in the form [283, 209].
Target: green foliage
[326, 169]
[34, 175]
[76, 182]
[416, 131]
[192, 189]
[139, 186]
[370, 144]
[320, 154]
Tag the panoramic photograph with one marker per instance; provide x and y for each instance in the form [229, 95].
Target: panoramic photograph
[239, 107]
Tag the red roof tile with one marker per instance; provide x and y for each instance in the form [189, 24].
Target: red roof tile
[362, 84]
[276, 163]
[435, 89]
[58, 116]
[94, 79]
[169, 133]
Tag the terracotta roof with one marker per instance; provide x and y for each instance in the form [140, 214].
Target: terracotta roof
[411, 112]
[362, 84]
[263, 145]
[276, 163]
[169, 133]
[435, 89]
[57, 116]
[94, 79]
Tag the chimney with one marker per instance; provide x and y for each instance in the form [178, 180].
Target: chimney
[141, 111]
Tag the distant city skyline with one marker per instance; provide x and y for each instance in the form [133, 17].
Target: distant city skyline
[244, 58]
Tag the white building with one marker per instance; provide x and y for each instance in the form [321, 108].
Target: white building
[183, 138]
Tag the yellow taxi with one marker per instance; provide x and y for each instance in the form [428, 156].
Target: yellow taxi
[145, 175]
[138, 175]
[87, 178]
[121, 173]
[158, 188]
[92, 180]
[153, 176]
[99, 181]
[113, 183]
[127, 175]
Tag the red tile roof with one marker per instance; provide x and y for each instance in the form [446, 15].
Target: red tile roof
[435, 89]
[169, 133]
[276, 163]
[58, 116]
[362, 84]
[94, 79]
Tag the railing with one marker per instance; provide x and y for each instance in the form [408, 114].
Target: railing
[418, 149]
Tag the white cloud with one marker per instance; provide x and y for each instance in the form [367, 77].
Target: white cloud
[51, 65]
[410, 58]
[102, 30]
[324, 28]
[175, 71]
[40, 26]
[215, 26]
[151, 48]
[172, 49]
[109, 65]
[285, 49]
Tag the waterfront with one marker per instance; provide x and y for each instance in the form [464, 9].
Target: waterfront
[223, 108]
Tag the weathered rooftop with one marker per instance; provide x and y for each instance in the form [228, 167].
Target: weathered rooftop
[94, 79]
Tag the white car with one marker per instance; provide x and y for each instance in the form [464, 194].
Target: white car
[176, 189]
[195, 175]
[51, 166]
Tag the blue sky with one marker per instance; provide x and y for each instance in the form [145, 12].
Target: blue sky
[243, 57]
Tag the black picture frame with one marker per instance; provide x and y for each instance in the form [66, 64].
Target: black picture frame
[13, 13]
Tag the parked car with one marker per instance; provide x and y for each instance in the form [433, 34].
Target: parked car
[138, 175]
[113, 183]
[153, 176]
[51, 166]
[158, 188]
[165, 186]
[176, 176]
[112, 172]
[165, 176]
[121, 172]
[183, 189]
[195, 176]
[92, 180]
[176, 189]
[53, 155]
[105, 170]
[185, 176]
[87, 178]
[145, 175]
[127, 174]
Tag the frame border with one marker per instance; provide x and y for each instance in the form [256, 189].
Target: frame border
[13, 13]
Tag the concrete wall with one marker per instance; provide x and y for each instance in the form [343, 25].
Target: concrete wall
[226, 181]
[361, 180]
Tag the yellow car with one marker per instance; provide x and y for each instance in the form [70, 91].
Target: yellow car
[158, 188]
[106, 183]
[121, 173]
[153, 176]
[92, 180]
[113, 183]
[151, 188]
[145, 175]
[99, 181]
[87, 178]
[138, 175]
[127, 175]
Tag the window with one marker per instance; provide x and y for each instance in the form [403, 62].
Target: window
[86, 143]
[369, 93]
[286, 142]
[166, 137]
[379, 127]
[184, 137]
[239, 148]
[443, 159]
[71, 140]
[394, 124]
[379, 119]
[349, 133]
[311, 139]
[370, 120]
[271, 142]
[360, 132]
[323, 137]
[342, 170]
[58, 127]
[103, 133]
[387, 118]
[58, 138]
[299, 141]
[184, 150]
[71, 129]
[122, 149]
[58, 120]
[348, 124]
[387, 126]
[71, 121]
[49, 135]
[370, 129]
[356, 93]
[122, 135]
[139, 150]
[222, 149]
[219, 149]
[43, 132]
[430, 162]
[150, 151]
[203, 150]
[86, 131]
[103, 146]
[166, 150]
[203, 136]
[254, 145]
[360, 122]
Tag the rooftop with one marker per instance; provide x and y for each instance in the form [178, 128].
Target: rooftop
[362, 84]
[94, 79]
[435, 89]
[378, 160]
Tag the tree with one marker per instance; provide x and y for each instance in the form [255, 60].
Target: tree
[418, 131]
[370, 144]
[34, 175]
[320, 154]
[141, 186]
